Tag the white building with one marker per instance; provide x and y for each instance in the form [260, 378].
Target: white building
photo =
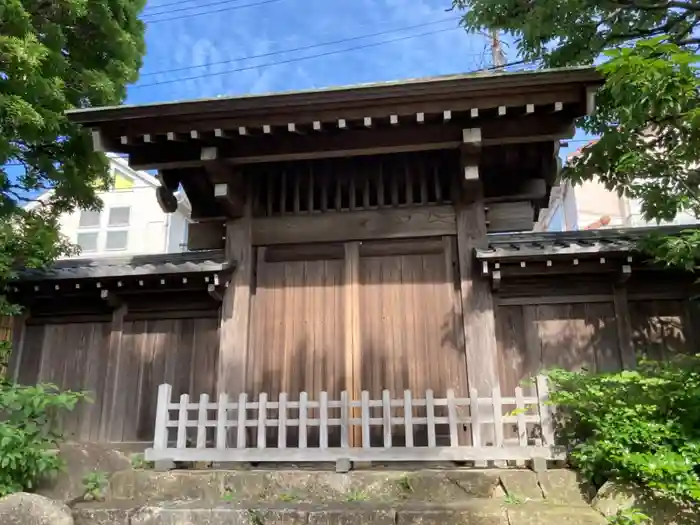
[131, 222]
[591, 206]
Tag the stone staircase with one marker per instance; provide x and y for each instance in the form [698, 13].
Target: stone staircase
[299, 497]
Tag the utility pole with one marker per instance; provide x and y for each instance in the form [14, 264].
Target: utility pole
[498, 58]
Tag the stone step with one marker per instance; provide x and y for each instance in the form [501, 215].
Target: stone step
[477, 511]
[295, 486]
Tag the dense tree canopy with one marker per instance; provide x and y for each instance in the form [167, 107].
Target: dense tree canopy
[56, 55]
[648, 114]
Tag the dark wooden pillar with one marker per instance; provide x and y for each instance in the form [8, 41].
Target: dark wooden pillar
[477, 301]
[110, 418]
[624, 327]
[235, 307]
[18, 324]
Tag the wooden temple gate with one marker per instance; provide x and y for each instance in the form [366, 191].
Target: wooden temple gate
[349, 220]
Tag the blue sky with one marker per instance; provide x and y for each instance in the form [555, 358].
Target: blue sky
[190, 36]
[188, 40]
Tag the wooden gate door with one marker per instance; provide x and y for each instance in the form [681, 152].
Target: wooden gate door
[356, 316]
[410, 320]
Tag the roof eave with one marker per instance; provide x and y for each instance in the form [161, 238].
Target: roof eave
[370, 93]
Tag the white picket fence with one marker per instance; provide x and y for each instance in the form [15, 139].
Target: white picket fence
[473, 428]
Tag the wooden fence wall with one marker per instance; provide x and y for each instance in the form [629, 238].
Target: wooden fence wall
[120, 360]
[597, 331]
[408, 336]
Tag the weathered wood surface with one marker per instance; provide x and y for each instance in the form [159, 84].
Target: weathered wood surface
[121, 368]
[266, 416]
[235, 308]
[480, 344]
[357, 226]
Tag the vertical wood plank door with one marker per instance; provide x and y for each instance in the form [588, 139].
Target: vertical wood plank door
[297, 327]
[410, 323]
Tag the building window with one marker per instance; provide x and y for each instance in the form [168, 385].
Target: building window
[107, 231]
[87, 242]
[117, 228]
[119, 216]
[116, 240]
[89, 219]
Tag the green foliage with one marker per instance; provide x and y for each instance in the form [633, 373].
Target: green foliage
[513, 499]
[94, 484]
[356, 495]
[28, 433]
[638, 427]
[56, 56]
[648, 111]
[629, 517]
[139, 462]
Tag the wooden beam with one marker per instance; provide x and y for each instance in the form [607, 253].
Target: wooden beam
[98, 142]
[172, 136]
[624, 327]
[590, 99]
[478, 319]
[361, 225]
[206, 235]
[114, 389]
[353, 334]
[230, 199]
[209, 153]
[19, 327]
[352, 142]
[235, 308]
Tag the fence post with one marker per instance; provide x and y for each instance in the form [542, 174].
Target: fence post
[344, 419]
[323, 428]
[452, 418]
[408, 418]
[262, 420]
[182, 421]
[430, 418]
[545, 410]
[476, 423]
[365, 419]
[282, 421]
[386, 416]
[160, 435]
[202, 421]
[521, 424]
[303, 401]
[221, 421]
[242, 416]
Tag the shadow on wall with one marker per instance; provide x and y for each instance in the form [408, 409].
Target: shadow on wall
[585, 337]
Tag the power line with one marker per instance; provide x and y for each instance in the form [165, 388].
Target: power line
[191, 15]
[177, 2]
[302, 48]
[297, 59]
